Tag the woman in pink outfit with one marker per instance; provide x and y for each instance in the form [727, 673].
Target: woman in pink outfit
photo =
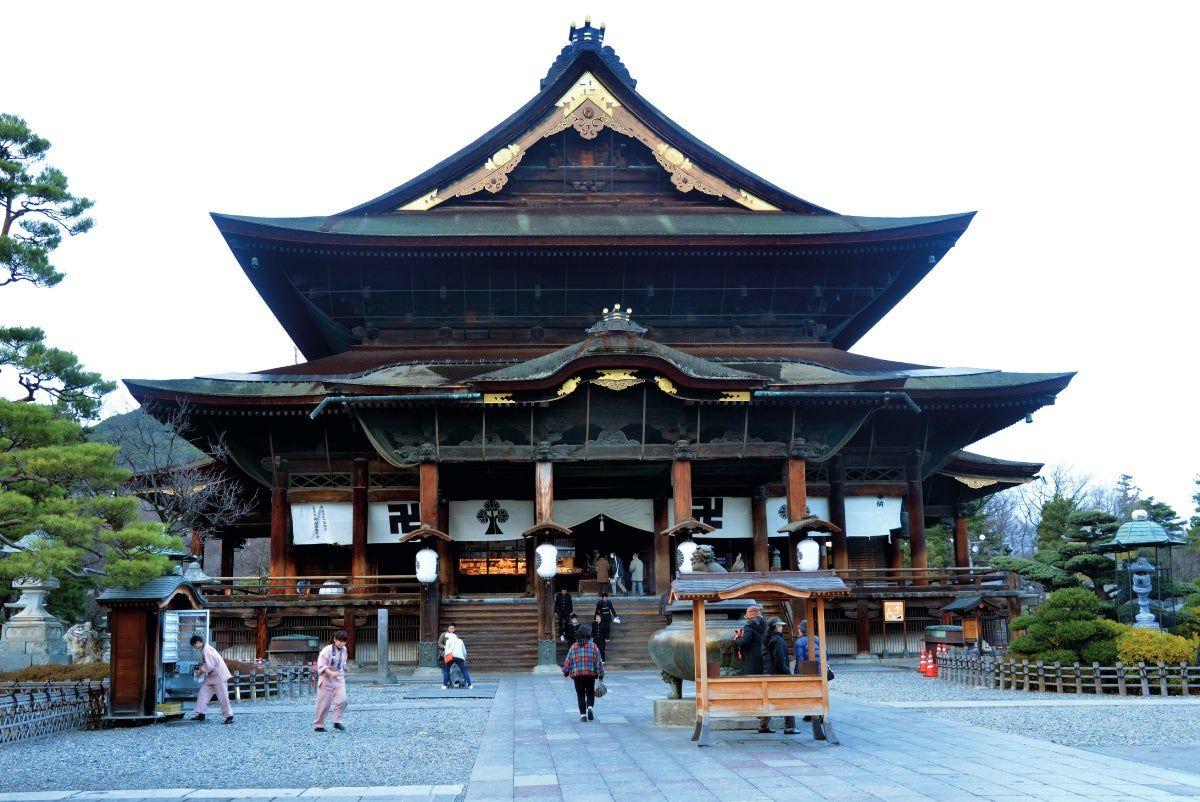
[214, 675]
[331, 682]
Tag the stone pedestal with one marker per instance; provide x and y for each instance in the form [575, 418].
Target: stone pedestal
[547, 658]
[32, 637]
[682, 713]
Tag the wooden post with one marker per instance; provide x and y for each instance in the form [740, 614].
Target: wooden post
[895, 558]
[227, 563]
[358, 527]
[681, 492]
[543, 512]
[430, 593]
[664, 559]
[700, 655]
[837, 514]
[543, 492]
[260, 634]
[348, 625]
[962, 558]
[862, 628]
[758, 519]
[447, 575]
[429, 494]
[914, 498]
[279, 523]
[797, 505]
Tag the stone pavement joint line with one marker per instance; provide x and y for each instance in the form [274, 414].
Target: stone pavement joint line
[378, 793]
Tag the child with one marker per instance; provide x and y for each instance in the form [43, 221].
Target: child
[331, 682]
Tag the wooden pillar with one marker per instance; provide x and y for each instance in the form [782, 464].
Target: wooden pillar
[797, 506]
[895, 558]
[915, 501]
[280, 557]
[543, 492]
[664, 558]
[962, 554]
[429, 494]
[681, 496]
[862, 627]
[837, 514]
[227, 555]
[358, 527]
[543, 512]
[260, 634]
[351, 635]
[431, 593]
[758, 523]
[447, 575]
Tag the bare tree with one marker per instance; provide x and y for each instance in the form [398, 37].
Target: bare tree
[191, 492]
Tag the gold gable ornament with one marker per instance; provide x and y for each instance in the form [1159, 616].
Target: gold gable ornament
[498, 398]
[569, 386]
[666, 385]
[617, 379]
[734, 397]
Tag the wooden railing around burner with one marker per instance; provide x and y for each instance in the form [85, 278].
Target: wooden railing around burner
[926, 578]
[249, 589]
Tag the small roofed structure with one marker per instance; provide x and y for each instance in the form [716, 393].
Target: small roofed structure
[805, 693]
[136, 669]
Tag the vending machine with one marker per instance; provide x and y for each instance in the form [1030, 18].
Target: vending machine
[179, 657]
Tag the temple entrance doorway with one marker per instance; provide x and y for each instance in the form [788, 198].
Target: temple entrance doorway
[603, 535]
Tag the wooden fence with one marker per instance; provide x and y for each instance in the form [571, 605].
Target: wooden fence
[36, 709]
[1021, 675]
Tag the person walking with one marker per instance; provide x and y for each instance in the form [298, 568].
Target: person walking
[617, 579]
[456, 655]
[749, 640]
[584, 665]
[331, 682]
[214, 676]
[600, 632]
[603, 569]
[802, 645]
[605, 609]
[572, 628]
[775, 661]
[563, 607]
[637, 575]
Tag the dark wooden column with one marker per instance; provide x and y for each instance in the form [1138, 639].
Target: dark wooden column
[915, 501]
[227, 555]
[797, 505]
[280, 540]
[761, 560]
[837, 514]
[430, 594]
[447, 577]
[358, 525]
[681, 494]
[351, 634]
[664, 560]
[962, 554]
[260, 634]
[893, 554]
[862, 627]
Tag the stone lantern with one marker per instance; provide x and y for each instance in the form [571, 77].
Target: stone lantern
[32, 637]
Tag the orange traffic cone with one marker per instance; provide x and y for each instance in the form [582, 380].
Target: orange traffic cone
[923, 666]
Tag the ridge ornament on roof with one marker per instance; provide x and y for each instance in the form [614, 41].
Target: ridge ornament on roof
[587, 38]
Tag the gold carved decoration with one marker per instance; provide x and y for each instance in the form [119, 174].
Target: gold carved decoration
[617, 379]
[734, 397]
[498, 398]
[976, 483]
[569, 386]
[589, 108]
[665, 385]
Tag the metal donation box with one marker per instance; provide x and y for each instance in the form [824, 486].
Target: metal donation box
[949, 635]
[151, 659]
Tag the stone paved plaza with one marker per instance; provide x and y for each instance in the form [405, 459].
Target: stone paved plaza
[528, 742]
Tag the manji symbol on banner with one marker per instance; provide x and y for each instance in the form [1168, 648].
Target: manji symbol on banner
[403, 517]
[331, 523]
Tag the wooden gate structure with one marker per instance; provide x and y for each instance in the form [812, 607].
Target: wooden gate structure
[804, 693]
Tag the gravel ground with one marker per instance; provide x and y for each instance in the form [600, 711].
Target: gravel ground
[1124, 723]
[389, 741]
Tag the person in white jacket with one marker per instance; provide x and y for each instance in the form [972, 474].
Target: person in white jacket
[456, 654]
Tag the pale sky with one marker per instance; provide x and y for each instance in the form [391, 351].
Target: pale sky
[1071, 127]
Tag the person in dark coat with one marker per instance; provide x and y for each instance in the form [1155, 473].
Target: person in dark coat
[749, 640]
[775, 661]
[600, 633]
[563, 607]
[572, 628]
[605, 609]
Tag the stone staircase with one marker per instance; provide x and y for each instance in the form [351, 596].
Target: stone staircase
[500, 633]
[639, 620]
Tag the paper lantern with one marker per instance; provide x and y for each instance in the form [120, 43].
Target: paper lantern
[427, 566]
[547, 560]
[809, 554]
[685, 550]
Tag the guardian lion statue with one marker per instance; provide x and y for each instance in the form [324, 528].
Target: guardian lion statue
[704, 561]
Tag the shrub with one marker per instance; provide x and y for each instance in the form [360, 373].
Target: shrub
[1067, 627]
[1152, 646]
[56, 673]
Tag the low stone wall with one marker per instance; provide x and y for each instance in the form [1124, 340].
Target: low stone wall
[1022, 675]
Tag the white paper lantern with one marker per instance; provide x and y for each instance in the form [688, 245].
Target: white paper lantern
[809, 554]
[685, 550]
[427, 566]
[547, 560]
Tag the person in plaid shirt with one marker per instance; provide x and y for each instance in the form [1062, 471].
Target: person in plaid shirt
[584, 665]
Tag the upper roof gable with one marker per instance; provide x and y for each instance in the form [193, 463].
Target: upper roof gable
[587, 88]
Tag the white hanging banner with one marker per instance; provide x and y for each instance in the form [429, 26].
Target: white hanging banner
[389, 521]
[635, 512]
[327, 524]
[728, 515]
[866, 516]
[489, 519]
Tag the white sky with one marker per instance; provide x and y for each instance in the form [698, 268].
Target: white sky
[1071, 127]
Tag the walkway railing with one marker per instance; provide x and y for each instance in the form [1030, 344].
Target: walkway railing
[273, 681]
[1141, 679]
[246, 590]
[982, 579]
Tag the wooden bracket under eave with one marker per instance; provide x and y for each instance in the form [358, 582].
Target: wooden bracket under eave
[423, 532]
[688, 526]
[809, 523]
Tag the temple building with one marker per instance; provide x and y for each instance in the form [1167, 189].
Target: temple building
[589, 328]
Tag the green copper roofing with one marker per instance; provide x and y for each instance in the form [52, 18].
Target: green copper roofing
[155, 590]
[1140, 534]
[981, 380]
[516, 223]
